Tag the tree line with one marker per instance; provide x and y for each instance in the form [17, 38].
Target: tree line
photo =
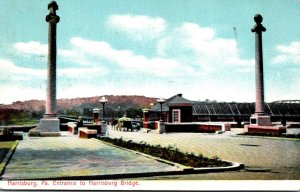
[21, 117]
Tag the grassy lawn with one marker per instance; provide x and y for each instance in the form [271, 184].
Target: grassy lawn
[5, 146]
[169, 153]
[23, 122]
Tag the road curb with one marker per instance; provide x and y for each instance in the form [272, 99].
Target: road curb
[235, 166]
[265, 137]
[7, 158]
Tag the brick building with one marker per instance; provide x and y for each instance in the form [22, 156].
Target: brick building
[176, 109]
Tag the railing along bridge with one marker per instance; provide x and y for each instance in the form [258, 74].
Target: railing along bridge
[278, 110]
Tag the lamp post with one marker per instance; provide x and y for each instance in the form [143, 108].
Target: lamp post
[103, 101]
[161, 101]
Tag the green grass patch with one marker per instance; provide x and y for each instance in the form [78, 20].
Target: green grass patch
[5, 146]
[23, 122]
[169, 153]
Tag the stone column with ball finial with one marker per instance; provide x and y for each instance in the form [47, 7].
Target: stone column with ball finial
[259, 117]
[49, 124]
[260, 122]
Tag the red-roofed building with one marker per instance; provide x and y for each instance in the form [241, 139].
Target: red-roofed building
[177, 116]
[176, 109]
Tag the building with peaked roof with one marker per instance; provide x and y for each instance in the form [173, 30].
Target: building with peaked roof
[176, 109]
[180, 114]
[179, 109]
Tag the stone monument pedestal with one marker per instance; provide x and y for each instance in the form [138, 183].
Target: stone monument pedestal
[48, 126]
[258, 129]
[261, 124]
[260, 120]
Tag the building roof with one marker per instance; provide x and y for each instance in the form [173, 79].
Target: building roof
[176, 100]
[179, 100]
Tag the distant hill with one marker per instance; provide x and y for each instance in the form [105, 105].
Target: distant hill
[118, 102]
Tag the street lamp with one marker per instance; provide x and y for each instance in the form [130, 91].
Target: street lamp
[161, 101]
[103, 101]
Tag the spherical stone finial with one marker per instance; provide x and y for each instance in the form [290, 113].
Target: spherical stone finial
[258, 18]
[53, 5]
[258, 27]
[52, 17]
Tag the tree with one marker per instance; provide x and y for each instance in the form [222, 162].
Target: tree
[134, 112]
[88, 112]
[72, 112]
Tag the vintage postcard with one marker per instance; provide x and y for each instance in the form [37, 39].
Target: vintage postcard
[150, 95]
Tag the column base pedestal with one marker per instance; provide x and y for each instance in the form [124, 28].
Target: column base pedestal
[261, 124]
[260, 120]
[48, 127]
[264, 130]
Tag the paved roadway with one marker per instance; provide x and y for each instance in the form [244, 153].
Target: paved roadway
[264, 158]
[68, 156]
[48, 157]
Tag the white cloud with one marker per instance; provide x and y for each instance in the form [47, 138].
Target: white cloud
[13, 72]
[81, 72]
[139, 27]
[199, 47]
[193, 57]
[73, 55]
[17, 82]
[21, 83]
[16, 92]
[32, 47]
[37, 48]
[76, 56]
[126, 59]
[194, 31]
[288, 53]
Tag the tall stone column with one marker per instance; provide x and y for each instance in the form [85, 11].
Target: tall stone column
[260, 122]
[49, 125]
[52, 19]
[259, 73]
[259, 118]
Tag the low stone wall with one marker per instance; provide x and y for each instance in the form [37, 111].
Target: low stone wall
[209, 128]
[73, 127]
[24, 128]
[86, 133]
[256, 129]
[93, 126]
[197, 127]
[149, 125]
[17, 135]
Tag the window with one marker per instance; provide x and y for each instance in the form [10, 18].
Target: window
[176, 115]
[253, 121]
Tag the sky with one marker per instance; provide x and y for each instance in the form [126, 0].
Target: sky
[203, 49]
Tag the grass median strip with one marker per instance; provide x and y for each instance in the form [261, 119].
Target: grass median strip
[169, 153]
[6, 147]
